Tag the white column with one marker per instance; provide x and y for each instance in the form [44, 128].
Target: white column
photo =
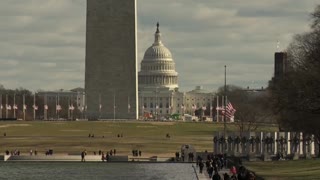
[312, 146]
[262, 143]
[288, 143]
[275, 143]
[301, 143]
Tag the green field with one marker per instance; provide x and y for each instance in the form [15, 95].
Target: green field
[72, 136]
[302, 169]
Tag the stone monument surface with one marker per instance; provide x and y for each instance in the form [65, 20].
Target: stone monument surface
[110, 63]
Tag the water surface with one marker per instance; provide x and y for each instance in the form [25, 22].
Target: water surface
[95, 171]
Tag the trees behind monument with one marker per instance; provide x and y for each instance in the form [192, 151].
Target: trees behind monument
[296, 97]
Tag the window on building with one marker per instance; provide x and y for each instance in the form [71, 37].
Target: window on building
[167, 112]
[178, 105]
[145, 105]
[160, 105]
[151, 105]
[167, 105]
[160, 111]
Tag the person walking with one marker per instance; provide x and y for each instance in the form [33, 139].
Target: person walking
[216, 176]
[201, 165]
[83, 154]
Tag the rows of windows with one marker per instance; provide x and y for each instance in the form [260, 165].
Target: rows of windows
[158, 67]
[158, 79]
[161, 105]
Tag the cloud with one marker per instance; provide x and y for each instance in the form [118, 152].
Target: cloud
[42, 43]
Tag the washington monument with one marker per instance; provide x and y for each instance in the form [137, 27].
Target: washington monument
[111, 83]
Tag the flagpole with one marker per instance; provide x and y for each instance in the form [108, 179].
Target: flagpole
[217, 109]
[14, 105]
[6, 105]
[100, 106]
[34, 106]
[1, 106]
[58, 106]
[45, 107]
[225, 95]
[114, 106]
[24, 107]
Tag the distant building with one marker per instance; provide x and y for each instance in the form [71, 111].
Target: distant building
[280, 64]
[280, 67]
[64, 99]
[159, 94]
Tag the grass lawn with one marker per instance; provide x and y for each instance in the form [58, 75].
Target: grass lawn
[72, 136]
[302, 169]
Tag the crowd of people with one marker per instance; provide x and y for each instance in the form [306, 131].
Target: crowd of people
[215, 163]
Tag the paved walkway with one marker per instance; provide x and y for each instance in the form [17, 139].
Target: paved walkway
[205, 176]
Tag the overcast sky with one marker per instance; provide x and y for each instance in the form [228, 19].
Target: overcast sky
[42, 42]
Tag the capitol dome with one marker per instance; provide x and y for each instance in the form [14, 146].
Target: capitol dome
[157, 52]
[157, 66]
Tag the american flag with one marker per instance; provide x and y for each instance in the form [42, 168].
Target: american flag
[35, 107]
[15, 106]
[230, 110]
[8, 107]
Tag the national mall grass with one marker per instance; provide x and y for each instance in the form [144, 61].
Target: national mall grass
[72, 136]
[302, 169]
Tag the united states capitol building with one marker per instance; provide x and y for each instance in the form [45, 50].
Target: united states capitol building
[158, 88]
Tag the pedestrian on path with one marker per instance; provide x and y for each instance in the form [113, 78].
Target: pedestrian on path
[216, 176]
[201, 165]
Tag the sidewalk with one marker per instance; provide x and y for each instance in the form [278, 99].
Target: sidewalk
[205, 176]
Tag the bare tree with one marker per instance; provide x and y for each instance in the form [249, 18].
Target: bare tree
[296, 97]
[251, 107]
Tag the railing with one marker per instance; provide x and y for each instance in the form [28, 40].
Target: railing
[195, 171]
